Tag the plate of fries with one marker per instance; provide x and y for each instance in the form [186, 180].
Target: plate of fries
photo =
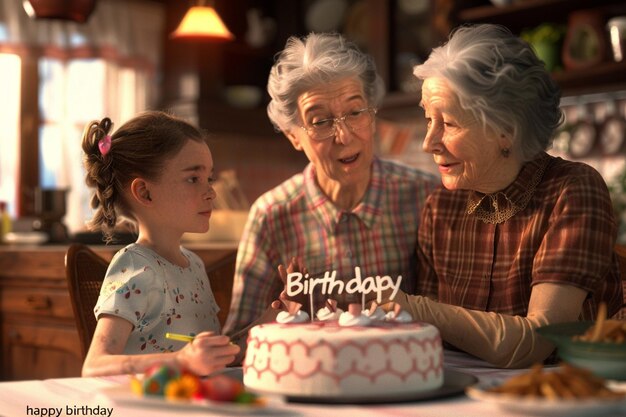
[562, 391]
[599, 346]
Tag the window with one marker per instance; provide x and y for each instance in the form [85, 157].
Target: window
[55, 77]
[71, 94]
[10, 83]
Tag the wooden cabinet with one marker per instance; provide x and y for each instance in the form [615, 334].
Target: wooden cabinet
[605, 76]
[37, 331]
[39, 339]
[39, 349]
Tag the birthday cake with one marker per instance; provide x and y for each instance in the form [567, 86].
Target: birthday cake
[325, 359]
[360, 352]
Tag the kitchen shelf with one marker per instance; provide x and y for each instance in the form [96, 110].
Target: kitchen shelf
[605, 76]
[528, 11]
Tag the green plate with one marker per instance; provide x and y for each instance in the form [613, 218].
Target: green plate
[607, 360]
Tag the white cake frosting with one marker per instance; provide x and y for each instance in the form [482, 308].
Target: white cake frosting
[326, 314]
[347, 319]
[286, 317]
[377, 315]
[401, 317]
[324, 359]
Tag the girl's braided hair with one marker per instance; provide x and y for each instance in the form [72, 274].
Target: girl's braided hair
[139, 148]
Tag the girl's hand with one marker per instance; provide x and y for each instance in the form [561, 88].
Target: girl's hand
[207, 353]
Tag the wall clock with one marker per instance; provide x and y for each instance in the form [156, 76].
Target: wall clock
[582, 139]
[612, 135]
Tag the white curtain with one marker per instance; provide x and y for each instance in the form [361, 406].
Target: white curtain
[106, 67]
[9, 120]
[131, 28]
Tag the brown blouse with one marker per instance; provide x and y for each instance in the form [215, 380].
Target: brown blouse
[554, 224]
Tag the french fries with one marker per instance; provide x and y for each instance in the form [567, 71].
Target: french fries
[604, 330]
[567, 382]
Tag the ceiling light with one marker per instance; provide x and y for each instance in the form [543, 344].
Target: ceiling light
[202, 22]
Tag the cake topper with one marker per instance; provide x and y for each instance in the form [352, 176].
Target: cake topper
[299, 283]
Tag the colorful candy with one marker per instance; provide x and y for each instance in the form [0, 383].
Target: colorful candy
[175, 384]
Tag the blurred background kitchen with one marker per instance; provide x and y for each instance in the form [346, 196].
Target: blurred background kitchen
[118, 57]
[115, 58]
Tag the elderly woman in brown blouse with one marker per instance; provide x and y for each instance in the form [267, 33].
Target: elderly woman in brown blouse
[516, 239]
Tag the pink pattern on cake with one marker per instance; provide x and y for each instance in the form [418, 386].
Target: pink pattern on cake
[422, 366]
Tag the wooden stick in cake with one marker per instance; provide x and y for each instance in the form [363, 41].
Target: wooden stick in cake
[311, 298]
[362, 300]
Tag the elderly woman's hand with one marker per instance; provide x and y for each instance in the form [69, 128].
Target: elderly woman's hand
[295, 265]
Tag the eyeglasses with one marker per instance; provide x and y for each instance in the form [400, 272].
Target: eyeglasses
[327, 128]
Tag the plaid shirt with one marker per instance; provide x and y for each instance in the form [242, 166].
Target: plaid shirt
[296, 219]
[564, 234]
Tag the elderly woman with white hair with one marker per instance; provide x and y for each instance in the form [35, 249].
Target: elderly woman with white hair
[348, 208]
[516, 239]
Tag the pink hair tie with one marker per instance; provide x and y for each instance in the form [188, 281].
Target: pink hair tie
[104, 145]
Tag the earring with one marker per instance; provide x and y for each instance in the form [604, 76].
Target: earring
[505, 152]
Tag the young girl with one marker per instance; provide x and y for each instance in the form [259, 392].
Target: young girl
[155, 171]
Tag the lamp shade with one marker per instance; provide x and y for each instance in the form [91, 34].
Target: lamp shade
[202, 23]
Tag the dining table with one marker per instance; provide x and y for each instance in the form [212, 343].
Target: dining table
[99, 396]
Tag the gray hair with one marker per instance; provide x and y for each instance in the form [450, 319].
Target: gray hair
[314, 60]
[499, 79]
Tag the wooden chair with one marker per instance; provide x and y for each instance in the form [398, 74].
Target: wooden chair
[85, 271]
[221, 273]
[620, 251]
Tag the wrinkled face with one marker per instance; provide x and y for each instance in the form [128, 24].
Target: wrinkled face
[468, 157]
[183, 196]
[343, 159]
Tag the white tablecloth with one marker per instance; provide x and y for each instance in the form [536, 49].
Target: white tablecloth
[83, 397]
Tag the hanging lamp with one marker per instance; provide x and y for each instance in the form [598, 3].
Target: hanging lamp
[201, 22]
[74, 10]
